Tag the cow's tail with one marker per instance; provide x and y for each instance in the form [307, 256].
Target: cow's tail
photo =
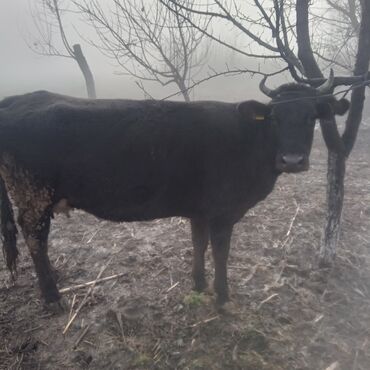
[8, 230]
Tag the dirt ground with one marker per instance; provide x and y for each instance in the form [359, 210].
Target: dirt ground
[287, 313]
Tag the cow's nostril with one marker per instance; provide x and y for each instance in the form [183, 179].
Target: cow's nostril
[292, 159]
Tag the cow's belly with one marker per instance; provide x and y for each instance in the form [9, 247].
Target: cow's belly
[135, 203]
[123, 212]
[133, 214]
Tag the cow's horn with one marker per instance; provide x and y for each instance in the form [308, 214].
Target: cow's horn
[265, 89]
[327, 86]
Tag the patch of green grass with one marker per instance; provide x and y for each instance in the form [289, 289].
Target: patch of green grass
[142, 360]
[194, 299]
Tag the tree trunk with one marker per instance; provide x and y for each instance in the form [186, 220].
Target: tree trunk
[85, 69]
[334, 197]
[336, 162]
[184, 90]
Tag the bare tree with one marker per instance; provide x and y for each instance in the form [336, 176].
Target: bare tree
[280, 28]
[337, 160]
[338, 23]
[48, 21]
[148, 41]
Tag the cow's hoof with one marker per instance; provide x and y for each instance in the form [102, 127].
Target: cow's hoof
[58, 307]
[227, 308]
[221, 298]
[55, 274]
[325, 263]
[209, 291]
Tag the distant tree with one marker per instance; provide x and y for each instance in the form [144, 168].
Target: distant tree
[280, 29]
[148, 41]
[47, 17]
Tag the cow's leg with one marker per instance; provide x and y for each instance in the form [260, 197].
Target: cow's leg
[35, 227]
[220, 233]
[200, 237]
[8, 230]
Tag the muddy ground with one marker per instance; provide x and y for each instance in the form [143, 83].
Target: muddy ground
[287, 313]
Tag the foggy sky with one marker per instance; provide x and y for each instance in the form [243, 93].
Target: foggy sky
[21, 70]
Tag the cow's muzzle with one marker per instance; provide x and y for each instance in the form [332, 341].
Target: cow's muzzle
[292, 162]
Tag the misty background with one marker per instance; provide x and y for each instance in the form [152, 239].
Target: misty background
[21, 70]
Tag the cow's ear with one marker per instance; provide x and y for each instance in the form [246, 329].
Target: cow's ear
[252, 110]
[341, 106]
[327, 109]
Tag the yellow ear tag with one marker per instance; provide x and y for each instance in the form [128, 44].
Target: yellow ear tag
[259, 118]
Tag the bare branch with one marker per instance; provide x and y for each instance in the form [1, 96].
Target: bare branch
[223, 14]
[228, 72]
[148, 41]
[305, 52]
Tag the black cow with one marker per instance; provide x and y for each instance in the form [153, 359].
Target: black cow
[126, 160]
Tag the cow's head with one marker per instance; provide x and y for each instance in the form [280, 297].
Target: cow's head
[293, 111]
